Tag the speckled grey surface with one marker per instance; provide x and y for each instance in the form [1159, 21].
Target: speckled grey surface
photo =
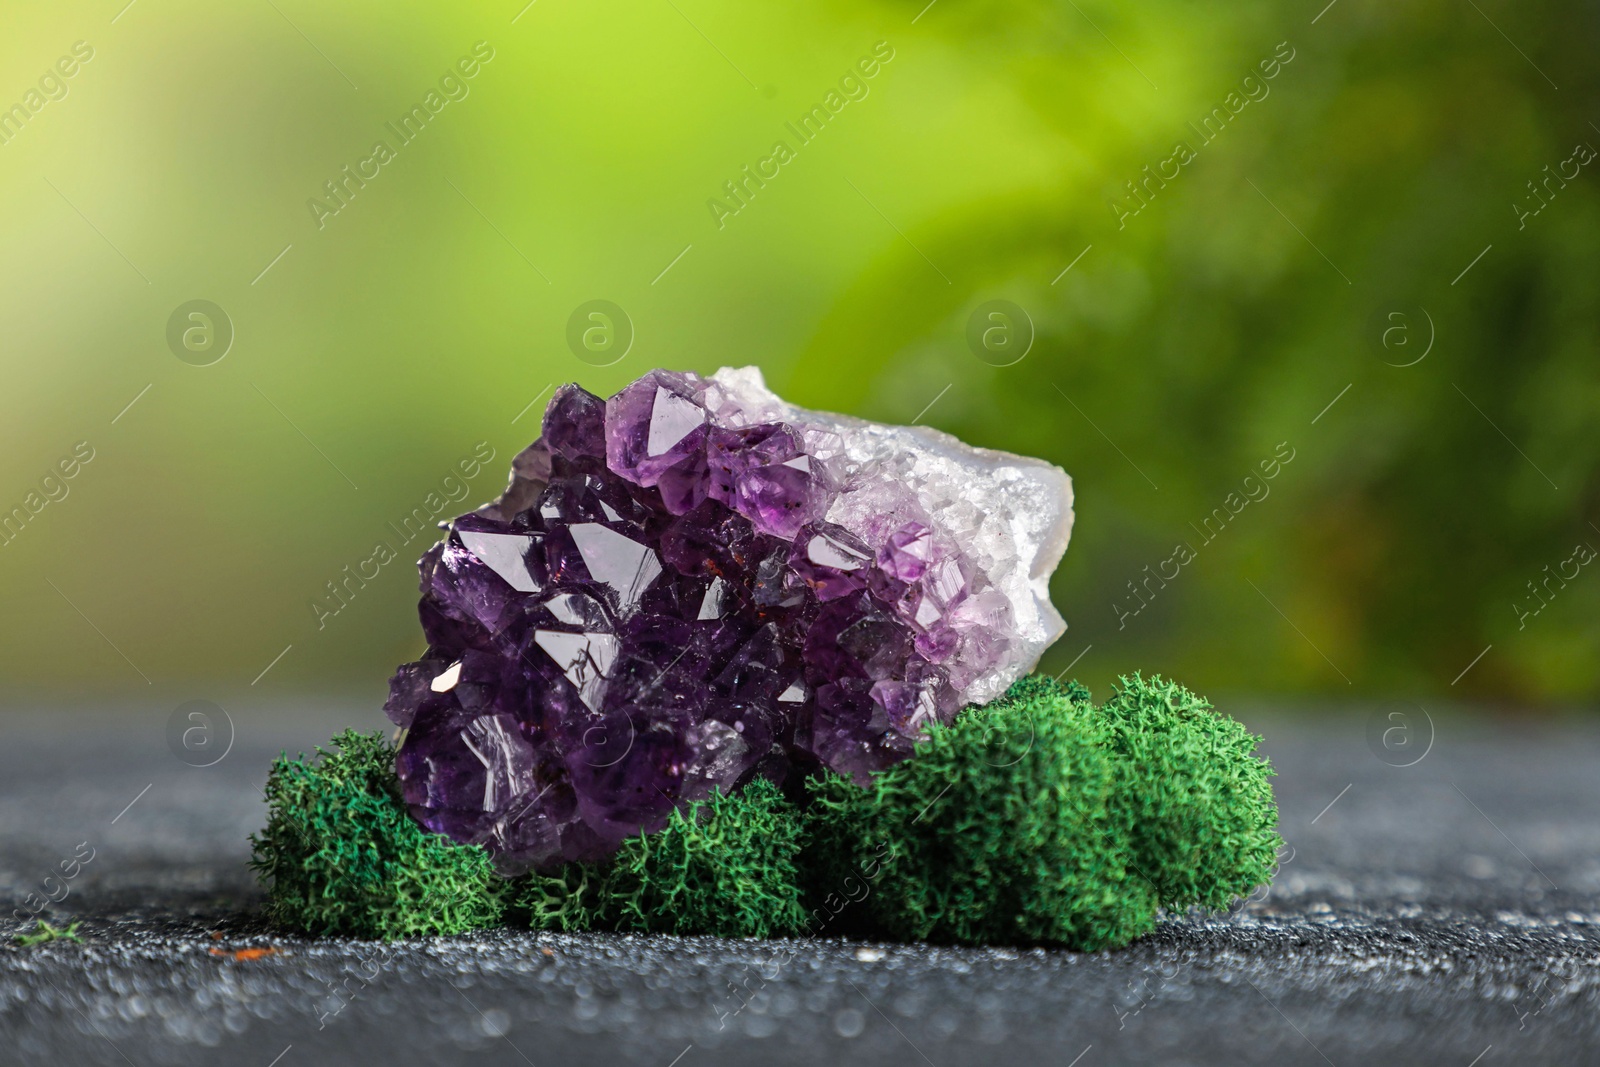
[1446, 912]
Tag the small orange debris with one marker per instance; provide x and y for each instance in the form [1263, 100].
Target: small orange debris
[547, 952]
[245, 953]
[216, 935]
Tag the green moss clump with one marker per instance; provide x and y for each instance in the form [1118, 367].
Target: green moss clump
[1195, 798]
[341, 855]
[999, 830]
[725, 865]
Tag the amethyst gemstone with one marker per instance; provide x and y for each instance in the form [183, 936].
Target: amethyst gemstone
[693, 584]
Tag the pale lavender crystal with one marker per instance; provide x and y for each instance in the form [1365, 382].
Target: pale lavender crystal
[906, 552]
[694, 584]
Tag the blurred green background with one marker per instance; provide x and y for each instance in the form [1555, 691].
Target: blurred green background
[1383, 170]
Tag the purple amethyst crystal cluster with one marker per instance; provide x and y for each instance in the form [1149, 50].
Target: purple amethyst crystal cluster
[694, 583]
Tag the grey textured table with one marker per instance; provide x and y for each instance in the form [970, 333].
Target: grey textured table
[1446, 912]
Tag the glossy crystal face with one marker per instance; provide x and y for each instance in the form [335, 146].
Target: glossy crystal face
[687, 586]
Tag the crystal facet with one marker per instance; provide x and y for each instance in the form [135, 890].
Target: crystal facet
[693, 584]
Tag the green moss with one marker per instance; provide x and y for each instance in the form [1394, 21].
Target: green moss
[1194, 796]
[838, 864]
[341, 855]
[1038, 818]
[43, 933]
[724, 865]
[570, 900]
[1042, 687]
[998, 830]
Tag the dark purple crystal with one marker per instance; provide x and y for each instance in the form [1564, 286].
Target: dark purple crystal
[654, 609]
